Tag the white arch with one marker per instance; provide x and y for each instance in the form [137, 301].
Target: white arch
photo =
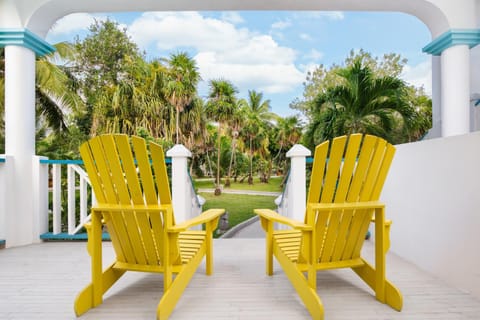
[39, 16]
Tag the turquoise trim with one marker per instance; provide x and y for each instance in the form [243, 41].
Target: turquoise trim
[2, 242]
[47, 161]
[70, 237]
[27, 39]
[2, 160]
[453, 37]
[53, 161]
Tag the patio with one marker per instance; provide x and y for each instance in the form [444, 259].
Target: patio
[40, 281]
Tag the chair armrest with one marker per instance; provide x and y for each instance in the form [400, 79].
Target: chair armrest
[345, 205]
[387, 221]
[205, 217]
[275, 217]
[130, 207]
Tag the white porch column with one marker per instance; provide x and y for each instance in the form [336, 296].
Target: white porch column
[23, 213]
[453, 47]
[297, 189]
[436, 130]
[20, 143]
[181, 193]
[455, 90]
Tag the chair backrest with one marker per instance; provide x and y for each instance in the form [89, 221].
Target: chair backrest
[123, 172]
[349, 169]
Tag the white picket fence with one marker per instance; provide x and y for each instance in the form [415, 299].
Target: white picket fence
[67, 180]
[72, 195]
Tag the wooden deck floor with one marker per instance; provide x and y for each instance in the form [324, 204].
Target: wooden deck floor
[41, 281]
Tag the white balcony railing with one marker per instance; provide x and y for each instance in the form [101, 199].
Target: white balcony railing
[70, 196]
[3, 185]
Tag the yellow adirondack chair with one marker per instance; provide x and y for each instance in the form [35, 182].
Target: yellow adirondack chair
[347, 177]
[131, 185]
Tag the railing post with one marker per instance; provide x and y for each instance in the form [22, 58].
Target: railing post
[40, 196]
[71, 199]
[4, 183]
[181, 190]
[57, 198]
[296, 185]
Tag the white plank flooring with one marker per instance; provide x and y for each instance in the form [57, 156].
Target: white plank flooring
[41, 281]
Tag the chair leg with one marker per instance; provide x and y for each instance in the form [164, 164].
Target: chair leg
[209, 243]
[385, 291]
[173, 293]
[391, 295]
[308, 294]
[86, 300]
[269, 247]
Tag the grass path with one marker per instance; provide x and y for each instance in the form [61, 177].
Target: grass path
[239, 206]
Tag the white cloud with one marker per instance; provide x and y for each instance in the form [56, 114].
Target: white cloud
[314, 55]
[419, 75]
[249, 59]
[280, 25]
[265, 77]
[331, 15]
[305, 36]
[232, 17]
[74, 22]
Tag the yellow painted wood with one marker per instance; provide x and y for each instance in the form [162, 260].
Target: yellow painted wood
[333, 166]
[348, 167]
[347, 178]
[318, 168]
[146, 175]
[161, 176]
[129, 168]
[132, 189]
[306, 293]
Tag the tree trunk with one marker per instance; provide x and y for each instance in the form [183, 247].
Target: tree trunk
[250, 177]
[227, 182]
[218, 191]
[177, 121]
[210, 172]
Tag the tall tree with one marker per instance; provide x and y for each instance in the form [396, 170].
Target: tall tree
[235, 123]
[288, 131]
[258, 115]
[104, 57]
[361, 103]
[323, 77]
[220, 107]
[181, 84]
[55, 91]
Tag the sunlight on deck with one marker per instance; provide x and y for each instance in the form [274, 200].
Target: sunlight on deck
[41, 281]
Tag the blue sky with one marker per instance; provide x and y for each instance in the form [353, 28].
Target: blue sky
[267, 51]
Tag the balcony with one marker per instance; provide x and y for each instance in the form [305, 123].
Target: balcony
[432, 198]
[40, 282]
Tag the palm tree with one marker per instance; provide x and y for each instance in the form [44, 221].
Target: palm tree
[257, 116]
[360, 103]
[235, 123]
[181, 86]
[55, 89]
[220, 108]
[288, 132]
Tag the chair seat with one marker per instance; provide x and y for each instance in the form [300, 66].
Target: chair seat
[189, 243]
[289, 242]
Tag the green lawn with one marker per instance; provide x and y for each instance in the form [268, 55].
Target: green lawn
[239, 207]
[272, 185]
